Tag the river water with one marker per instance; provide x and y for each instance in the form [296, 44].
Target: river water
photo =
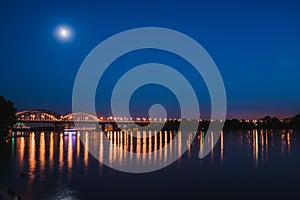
[242, 165]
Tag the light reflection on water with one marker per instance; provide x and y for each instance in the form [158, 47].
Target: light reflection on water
[41, 147]
[46, 154]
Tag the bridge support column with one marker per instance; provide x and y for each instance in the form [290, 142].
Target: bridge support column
[58, 126]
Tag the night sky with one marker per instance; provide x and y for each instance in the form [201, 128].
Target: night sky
[255, 44]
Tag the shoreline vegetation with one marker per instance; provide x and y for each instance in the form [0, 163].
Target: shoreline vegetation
[7, 116]
[242, 124]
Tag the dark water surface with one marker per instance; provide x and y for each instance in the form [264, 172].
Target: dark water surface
[242, 165]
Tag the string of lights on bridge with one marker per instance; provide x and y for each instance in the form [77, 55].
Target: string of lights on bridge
[51, 116]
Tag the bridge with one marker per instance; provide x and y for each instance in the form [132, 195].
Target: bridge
[48, 116]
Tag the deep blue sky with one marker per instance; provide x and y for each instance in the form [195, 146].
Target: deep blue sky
[256, 46]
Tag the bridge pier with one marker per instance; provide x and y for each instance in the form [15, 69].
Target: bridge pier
[58, 126]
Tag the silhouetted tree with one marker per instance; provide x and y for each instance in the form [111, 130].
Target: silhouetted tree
[7, 114]
[296, 122]
[235, 124]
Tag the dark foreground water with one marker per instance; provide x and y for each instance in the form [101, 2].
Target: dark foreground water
[242, 165]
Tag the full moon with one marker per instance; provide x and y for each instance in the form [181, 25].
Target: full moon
[64, 33]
